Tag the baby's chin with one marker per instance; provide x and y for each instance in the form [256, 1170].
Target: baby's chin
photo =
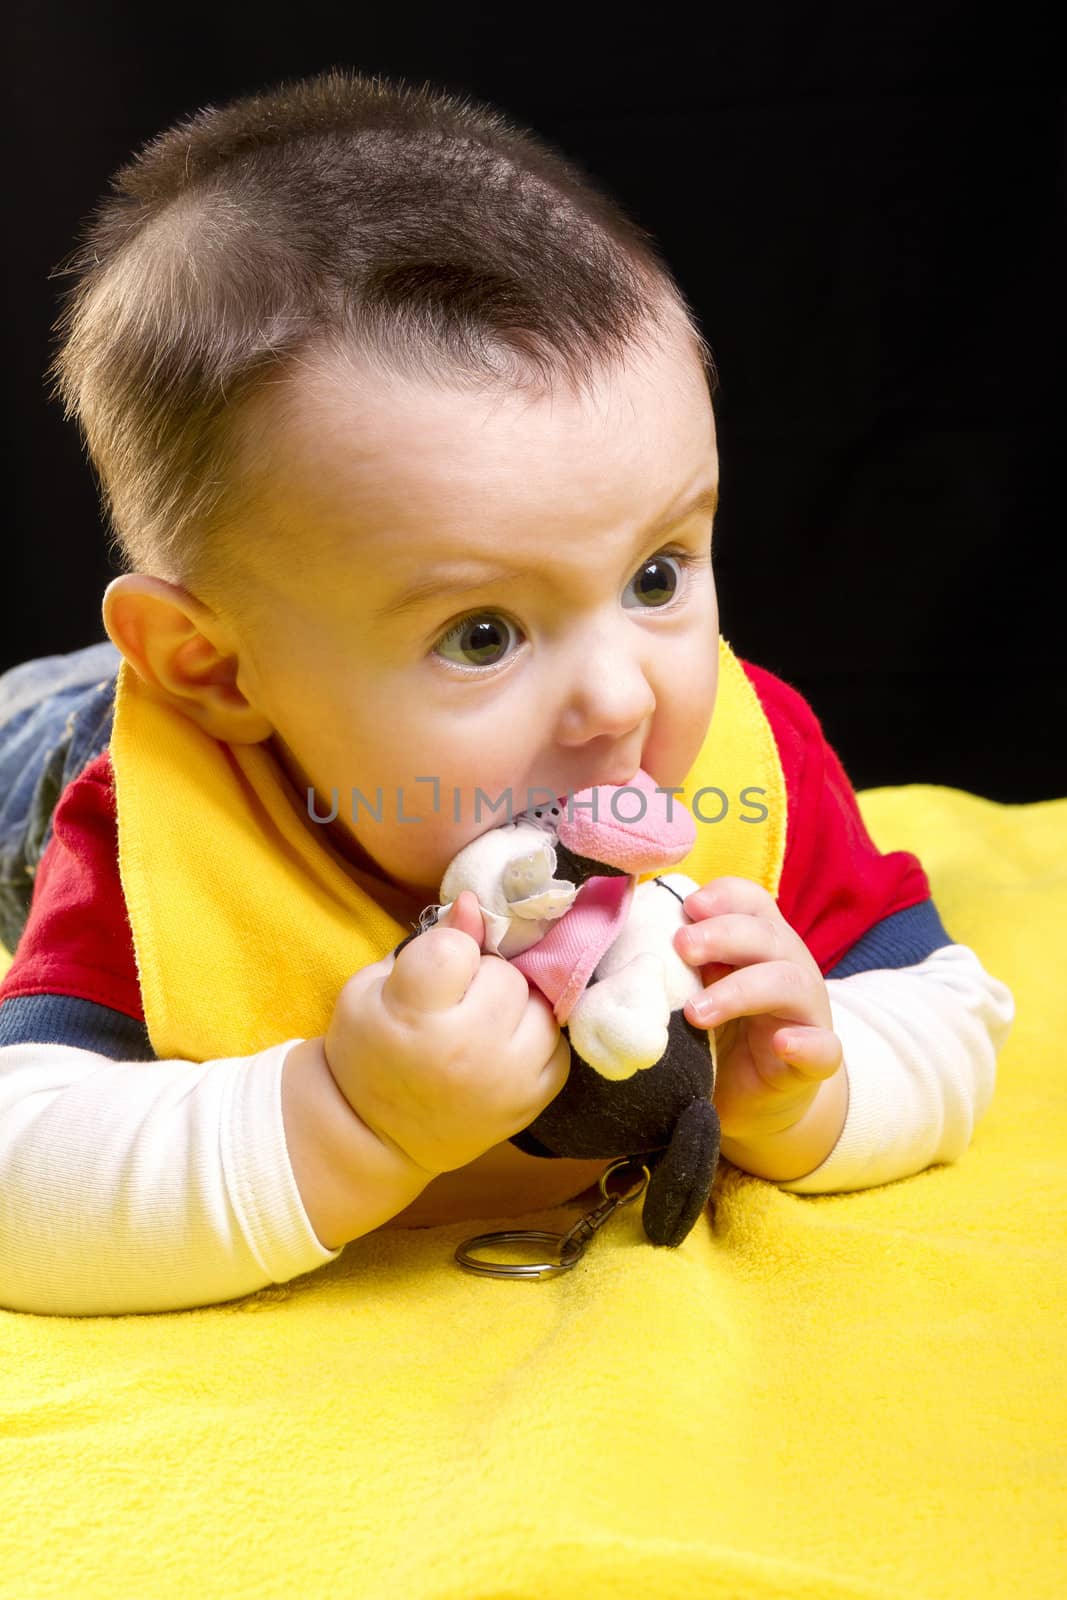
[415, 880]
[399, 883]
[404, 900]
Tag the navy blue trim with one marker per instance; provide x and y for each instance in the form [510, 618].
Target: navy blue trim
[902, 940]
[82, 1024]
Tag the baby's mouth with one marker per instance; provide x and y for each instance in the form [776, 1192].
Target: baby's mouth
[601, 783]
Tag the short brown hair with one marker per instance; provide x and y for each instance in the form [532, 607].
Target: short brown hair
[420, 229]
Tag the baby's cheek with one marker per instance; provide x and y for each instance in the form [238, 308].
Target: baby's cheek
[673, 749]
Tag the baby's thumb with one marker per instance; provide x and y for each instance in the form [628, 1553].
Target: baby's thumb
[465, 914]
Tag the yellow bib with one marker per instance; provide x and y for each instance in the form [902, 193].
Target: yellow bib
[246, 923]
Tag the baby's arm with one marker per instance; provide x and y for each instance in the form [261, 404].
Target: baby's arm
[145, 1185]
[834, 1084]
[920, 1049]
[157, 1185]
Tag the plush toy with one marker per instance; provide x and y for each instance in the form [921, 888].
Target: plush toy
[559, 896]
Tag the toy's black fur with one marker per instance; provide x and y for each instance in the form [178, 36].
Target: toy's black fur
[663, 1114]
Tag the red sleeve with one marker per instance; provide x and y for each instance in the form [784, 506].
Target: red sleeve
[77, 938]
[836, 884]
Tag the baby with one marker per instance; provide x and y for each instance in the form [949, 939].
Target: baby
[407, 442]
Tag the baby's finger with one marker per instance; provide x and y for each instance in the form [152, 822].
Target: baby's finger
[495, 1002]
[465, 914]
[736, 940]
[769, 988]
[813, 1052]
[730, 894]
[539, 1034]
[432, 973]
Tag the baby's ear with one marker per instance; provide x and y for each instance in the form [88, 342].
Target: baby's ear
[184, 654]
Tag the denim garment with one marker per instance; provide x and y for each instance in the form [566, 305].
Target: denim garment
[55, 717]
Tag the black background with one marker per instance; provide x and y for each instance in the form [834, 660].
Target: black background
[864, 203]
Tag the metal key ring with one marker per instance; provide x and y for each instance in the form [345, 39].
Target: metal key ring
[571, 1245]
[515, 1269]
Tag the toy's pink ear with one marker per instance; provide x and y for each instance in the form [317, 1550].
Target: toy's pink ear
[635, 827]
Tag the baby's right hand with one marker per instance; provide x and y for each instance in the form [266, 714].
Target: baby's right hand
[442, 1051]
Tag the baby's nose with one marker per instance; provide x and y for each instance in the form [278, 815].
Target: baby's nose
[613, 698]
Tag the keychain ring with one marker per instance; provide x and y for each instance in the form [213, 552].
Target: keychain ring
[570, 1245]
[508, 1269]
[639, 1187]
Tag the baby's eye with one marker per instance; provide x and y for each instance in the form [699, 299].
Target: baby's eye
[478, 641]
[656, 582]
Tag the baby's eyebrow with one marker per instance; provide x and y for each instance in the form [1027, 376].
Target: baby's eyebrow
[457, 577]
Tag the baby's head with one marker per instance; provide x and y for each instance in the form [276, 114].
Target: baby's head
[405, 437]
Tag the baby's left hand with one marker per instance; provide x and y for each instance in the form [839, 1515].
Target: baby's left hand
[764, 991]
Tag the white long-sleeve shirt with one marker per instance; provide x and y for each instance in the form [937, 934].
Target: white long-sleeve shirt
[920, 1046]
[160, 1185]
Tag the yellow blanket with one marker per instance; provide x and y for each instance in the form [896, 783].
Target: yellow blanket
[845, 1395]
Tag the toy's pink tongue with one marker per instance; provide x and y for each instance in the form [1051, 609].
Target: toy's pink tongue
[636, 826]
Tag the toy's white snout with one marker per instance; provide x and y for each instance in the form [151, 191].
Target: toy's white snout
[620, 1025]
[529, 873]
[510, 869]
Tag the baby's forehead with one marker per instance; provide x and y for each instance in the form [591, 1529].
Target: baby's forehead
[356, 471]
[387, 423]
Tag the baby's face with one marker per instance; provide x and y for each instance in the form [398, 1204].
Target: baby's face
[495, 593]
